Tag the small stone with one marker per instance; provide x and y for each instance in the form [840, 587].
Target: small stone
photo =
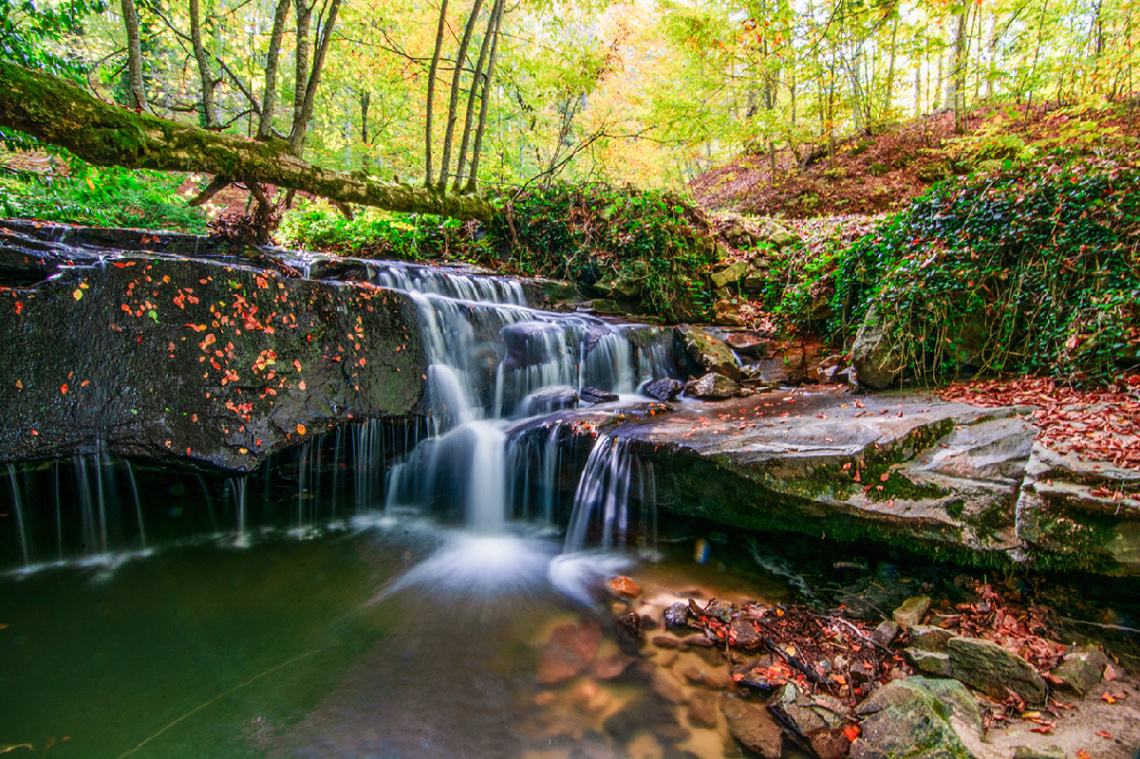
[677, 616]
[697, 639]
[911, 612]
[625, 587]
[612, 666]
[702, 709]
[666, 641]
[886, 632]
[747, 638]
[754, 727]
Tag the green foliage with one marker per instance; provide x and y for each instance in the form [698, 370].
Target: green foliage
[1035, 268]
[31, 35]
[649, 246]
[101, 197]
[380, 234]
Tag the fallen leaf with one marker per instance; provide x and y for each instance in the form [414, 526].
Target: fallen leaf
[300, 429]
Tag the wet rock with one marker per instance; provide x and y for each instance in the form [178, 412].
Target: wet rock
[551, 399]
[726, 313]
[827, 373]
[625, 587]
[1048, 751]
[992, 669]
[597, 395]
[702, 706]
[569, 652]
[754, 727]
[911, 612]
[874, 352]
[699, 640]
[643, 715]
[885, 633]
[666, 641]
[126, 372]
[677, 616]
[1081, 670]
[629, 629]
[528, 343]
[708, 352]
[809, 713]
[664, 389]
[918, 718]
[712, 387]
[748, 344]
[714, 678]
[928, 638]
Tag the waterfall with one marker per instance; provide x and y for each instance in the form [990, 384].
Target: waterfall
[602, 500]
[19, 507]
[237, 486]
[494, 362]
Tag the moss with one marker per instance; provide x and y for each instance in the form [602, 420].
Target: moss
[955, 509]
[987, 523]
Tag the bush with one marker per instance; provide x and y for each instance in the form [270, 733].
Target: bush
[111, 197]
[1035, 268]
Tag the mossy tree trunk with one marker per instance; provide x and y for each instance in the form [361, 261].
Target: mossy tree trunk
[59, 113]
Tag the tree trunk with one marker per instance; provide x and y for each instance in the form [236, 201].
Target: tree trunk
[269, 100]
[431, 90]
[453, 100]
[209, 110]
[484, 106]
[302, 117]
[134, 56]
[472, 96]
[59, 113]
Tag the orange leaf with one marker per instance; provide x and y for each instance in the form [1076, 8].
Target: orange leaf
[1082, 754]
[300, 429]
[1104, 696]
[851, 732]
[63, 391]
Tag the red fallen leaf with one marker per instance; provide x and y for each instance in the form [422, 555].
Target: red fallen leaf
[1103, 734]
[63, 391]
[300, 429]
[884, 476]
[1110, 673]
[1043, 729]
[851, 732]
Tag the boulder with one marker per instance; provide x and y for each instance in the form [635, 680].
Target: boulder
[702, 707]
[597, 395]
[708, 352]
[808, 714]
[918, 718]
[754, 727]
[885, 633]
[929, 638]
[195, 361]
[664, 389]
[729, 274]
[712, 387]
[874, 353]
[930, 662]
[992, 669]
[1081, 670]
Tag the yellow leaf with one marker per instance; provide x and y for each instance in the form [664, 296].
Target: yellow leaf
[77, 294]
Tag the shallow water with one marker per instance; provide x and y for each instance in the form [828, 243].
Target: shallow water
[397, 641]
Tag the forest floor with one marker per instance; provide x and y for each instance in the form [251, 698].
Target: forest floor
[884, 169]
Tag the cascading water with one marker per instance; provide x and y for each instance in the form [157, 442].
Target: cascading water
[493, 363]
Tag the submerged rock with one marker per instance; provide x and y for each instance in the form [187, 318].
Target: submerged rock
[569, 652]
[754, 727]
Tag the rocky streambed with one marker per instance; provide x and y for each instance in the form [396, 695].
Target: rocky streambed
[984, 675]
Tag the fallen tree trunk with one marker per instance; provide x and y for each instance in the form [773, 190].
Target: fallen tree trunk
[59, 113]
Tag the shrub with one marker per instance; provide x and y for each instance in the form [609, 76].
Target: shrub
[1035, 268]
